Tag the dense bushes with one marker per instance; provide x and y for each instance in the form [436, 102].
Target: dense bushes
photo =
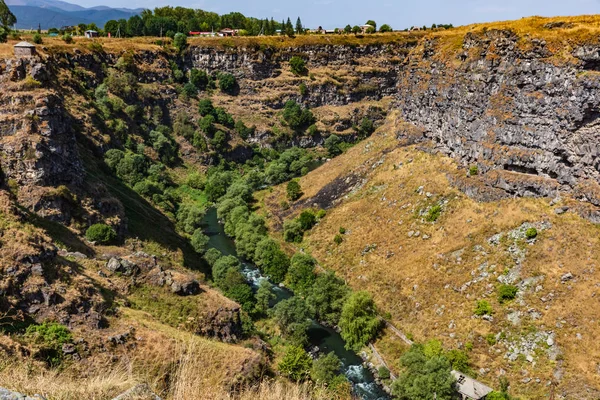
[49, 337]
[359, 322]
[293, 190]
[227, 83]
[483, 307]
[297, 117]
[301, 274]
[101, 233]
[296, 363]
[298, 66]
[293, 230]
[293, 318]
[291, 163]
[326, 298]
[423, 375]
[507, 293]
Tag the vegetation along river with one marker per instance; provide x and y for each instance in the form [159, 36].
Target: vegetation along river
[326, 339]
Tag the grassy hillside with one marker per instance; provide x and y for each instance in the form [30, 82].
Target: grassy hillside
[428, 254]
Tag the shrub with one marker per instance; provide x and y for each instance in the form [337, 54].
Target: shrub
[483, 307]
[297, 117]
[296, 363]
[531, 233]
[199, 241]
[303, 89]
[385, 28]
[293, 318]
[50, 334]
[332, 145]
[211, 256]
[292, 231]
[307, 219]
[359, 322]
[473, 170]
[301, 274]
[298, 66]
[327, 297]
[338, 239]
[434, 213]
[507, 293]
[199, 79]
[37, 38]
[459, 360]
[321, 214]
[180, 41]
[325, 369]
[50, 337]
[227, 83]
[383, 372]
[294, 191]
[100, 233]
[189, 90]
[67, 38]
[342, 230]
[490, 338]
[219, 141]
[205, 107]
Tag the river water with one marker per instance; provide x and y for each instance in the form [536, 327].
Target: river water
[325, 338]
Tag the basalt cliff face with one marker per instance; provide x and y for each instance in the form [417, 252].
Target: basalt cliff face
[526, 120]
[525, 113]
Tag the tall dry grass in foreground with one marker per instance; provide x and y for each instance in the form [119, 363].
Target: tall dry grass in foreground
[190, 383]
[196, 368]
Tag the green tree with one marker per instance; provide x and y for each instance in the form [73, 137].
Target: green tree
[289, 28]
[298, 66]
[299, 27]
[294, 191]
[221, 267]
[423, 377]
[307, 219]
[264, 296]
[296, 364]
[7, 18]
[180, 41]
[219, 141]
[359, 322]
[301, 274]
[101, 233]
[326, 297]
[372, 23]
[211, 256]
[271, 259]
[227, 83]
[356, 29]
[385, 28]
[293, 318]
[348, 29]
[199, 79]
[199, 241]
[205, 107]
[332, 145]
[325, 369]
[292, 231]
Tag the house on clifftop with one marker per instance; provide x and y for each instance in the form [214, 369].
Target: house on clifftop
[24, 49]
[469, 388]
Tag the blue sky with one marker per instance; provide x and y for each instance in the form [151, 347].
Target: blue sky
[399, 14]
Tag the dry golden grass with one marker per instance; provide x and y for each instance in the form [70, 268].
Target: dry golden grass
[415, 279]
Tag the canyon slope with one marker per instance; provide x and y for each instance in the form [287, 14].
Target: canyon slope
[481, 172]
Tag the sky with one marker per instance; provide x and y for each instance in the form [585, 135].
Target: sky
[399, 14]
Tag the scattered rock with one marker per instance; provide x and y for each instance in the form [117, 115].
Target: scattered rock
[123, 266]
[566, 277]
[138, 392]
[6, 394]
[188, 288]
[561, 210]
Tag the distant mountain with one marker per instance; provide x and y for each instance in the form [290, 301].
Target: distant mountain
[56, 13]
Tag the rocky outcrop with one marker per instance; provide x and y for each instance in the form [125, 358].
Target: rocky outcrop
[6, 394]
[510, 110]
[224, 324]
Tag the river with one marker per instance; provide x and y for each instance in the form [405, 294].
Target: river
[326, 339]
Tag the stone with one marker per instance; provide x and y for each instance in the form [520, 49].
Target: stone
[6, 394]
[566, 277]
[138, 392]
[561, 210]
[187, 288]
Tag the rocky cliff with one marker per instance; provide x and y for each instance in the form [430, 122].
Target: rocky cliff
[509, 106]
